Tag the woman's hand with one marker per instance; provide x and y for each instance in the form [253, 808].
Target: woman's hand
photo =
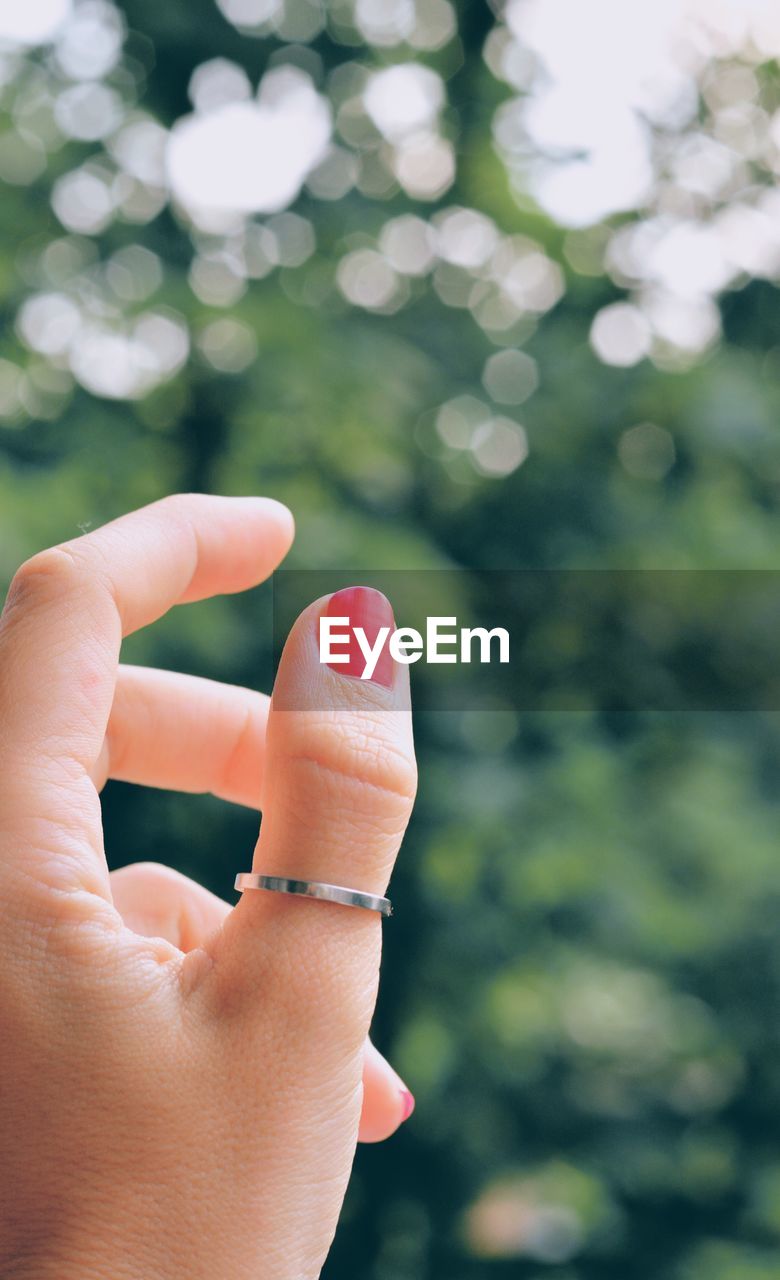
[182, 1084]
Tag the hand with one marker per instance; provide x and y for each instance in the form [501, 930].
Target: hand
[182, 1084]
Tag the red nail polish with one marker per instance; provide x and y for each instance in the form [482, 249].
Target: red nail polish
[408, 1104]
[371, 612]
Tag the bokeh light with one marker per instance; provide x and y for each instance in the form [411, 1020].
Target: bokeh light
[666, 121]
[34, 22]
[244, 157]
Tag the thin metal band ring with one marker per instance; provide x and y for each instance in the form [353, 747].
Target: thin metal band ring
[315, 889]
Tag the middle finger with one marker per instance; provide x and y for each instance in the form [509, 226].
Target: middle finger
[184, 733]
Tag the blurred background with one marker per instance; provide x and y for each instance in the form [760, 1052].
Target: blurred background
[467, 286]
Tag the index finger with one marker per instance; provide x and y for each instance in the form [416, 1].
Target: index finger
[65, 616]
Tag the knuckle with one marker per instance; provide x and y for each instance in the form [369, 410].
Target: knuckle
[177, 505]
[66, 930]
[181, 509]
[53, 571]
[358, 757]
[178, 501]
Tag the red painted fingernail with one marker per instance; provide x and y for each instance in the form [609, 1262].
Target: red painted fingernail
[408, 1104]
[371, 612]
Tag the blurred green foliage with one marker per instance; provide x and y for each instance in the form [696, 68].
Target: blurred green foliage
[581, 980]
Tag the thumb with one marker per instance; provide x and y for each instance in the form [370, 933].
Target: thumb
[291, 982]
[340, 783]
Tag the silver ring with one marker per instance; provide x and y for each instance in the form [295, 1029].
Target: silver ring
[315, 889]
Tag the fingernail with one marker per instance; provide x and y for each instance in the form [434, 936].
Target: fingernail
[408, 1104]
[372, 613]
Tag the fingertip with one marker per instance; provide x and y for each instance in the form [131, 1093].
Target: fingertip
[278, 516]
[387, 1102]
[285, 518]
[327, 670]
[240, 541]
[407, 1099]
[370, 610]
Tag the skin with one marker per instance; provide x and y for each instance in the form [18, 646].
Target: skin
[183, 1084]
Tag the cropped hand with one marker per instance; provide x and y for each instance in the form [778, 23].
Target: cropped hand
[182, 1084]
